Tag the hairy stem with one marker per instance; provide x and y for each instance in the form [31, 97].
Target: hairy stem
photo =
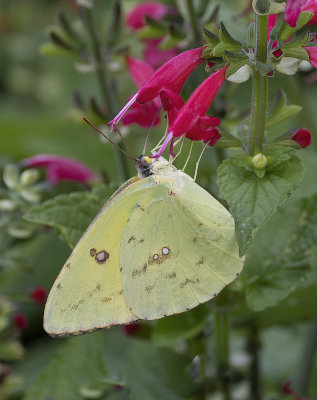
[106, 92]
[260, 89]
[222, 345]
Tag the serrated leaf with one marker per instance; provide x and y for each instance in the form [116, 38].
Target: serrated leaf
[70, 213]
[78, 363]
[253, 200]
[276, 267]
[286, 30]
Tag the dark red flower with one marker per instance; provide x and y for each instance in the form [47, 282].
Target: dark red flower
[20, 321]
[288, 390]
[38, 295]
[154, 55]
[303, 137]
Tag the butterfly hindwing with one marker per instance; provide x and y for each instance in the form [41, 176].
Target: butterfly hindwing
[178, 248]
[88, 292]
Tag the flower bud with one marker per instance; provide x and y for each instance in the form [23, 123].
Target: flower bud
[29, 176]
[288, 65]
[259, 161]
[242, 75]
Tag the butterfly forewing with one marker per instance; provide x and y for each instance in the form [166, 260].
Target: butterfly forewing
[88, 292]
[178, 249]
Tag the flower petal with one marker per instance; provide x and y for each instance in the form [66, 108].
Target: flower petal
[292, 10]
[136, 17]
[303, 137]
[154, 55]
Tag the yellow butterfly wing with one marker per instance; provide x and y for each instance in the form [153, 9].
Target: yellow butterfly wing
[88, 293]
[178, 250]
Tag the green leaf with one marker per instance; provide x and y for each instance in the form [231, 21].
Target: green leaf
[253, 200]
[78, 363]
[280, 110]
[298, 41]
[275, 268]
[170, 330]
[70, 213]
[210, 37]
[286, 30]
[277, 27]
[227, 42]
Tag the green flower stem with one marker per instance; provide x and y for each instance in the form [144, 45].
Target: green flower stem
[221, 336]
[106, 92]
[253, 347]
[193, 20]
[260, 89]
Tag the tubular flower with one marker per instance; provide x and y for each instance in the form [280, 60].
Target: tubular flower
[303, 137]
[191, 119]
[144, 114]
[60, 168]
[170, 76]
[295, 7]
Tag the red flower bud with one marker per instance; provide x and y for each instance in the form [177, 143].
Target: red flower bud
[131, 329]
[303, 137]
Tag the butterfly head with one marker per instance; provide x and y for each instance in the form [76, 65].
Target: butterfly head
[147, 166]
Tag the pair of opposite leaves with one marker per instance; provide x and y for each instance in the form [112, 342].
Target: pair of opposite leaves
[161, 245]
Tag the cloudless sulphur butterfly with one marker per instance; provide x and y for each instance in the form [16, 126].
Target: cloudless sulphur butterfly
[161, 245]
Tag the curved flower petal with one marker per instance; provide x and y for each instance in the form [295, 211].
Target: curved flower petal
[139, 70]
[61, 168]
[312, 52]
[198, 103]
[142, 114]
[135, 18]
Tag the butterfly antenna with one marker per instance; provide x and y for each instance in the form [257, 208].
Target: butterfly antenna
[198, 161]
[153, 122]
[106, 137]
[124, 141]
[189, 154]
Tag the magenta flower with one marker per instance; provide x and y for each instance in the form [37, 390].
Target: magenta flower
[136, 17]
[154, 55]
[295, 7]
[144, 114]
[303, 137]
[312, 52]
[191, 120]
[60, 168]
[170, 76]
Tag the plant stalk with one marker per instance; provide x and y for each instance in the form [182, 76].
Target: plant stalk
[260, 89]
[107, 94]
[222, 345]
[193, 20]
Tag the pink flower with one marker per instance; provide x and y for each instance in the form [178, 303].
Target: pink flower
[312, 52]
[154, 55]
[20, 321]
[60, 168]
[170, 76]
[295, 7]
[144, 114]
[38, 295]
[135, 19]
[191, 119]
[303, 137]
